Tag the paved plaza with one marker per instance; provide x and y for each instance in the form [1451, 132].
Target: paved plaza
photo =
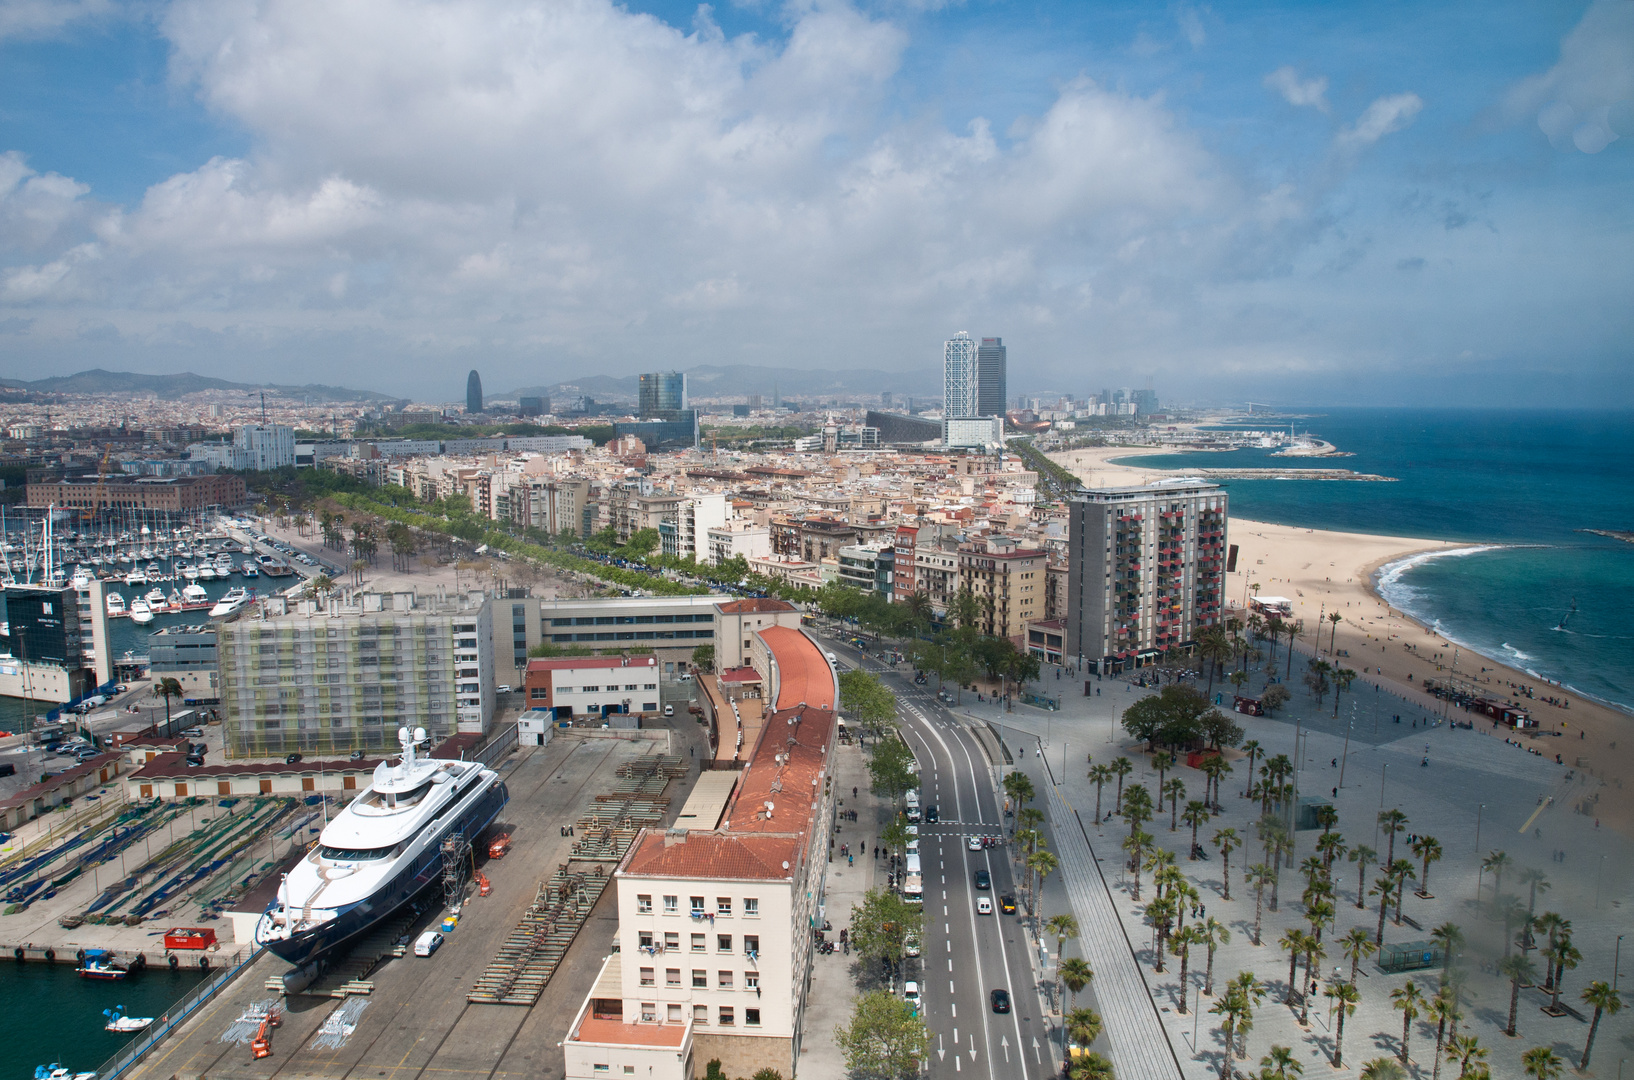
[1470, 788]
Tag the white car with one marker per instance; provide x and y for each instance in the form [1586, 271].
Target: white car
[910, 993]
[910, 944]
[984, 905]
[913, 830]
[974, 843]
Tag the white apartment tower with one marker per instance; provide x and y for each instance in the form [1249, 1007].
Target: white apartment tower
[960, 382]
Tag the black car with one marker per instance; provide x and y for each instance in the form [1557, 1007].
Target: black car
[292, 759]
[983, 880]
[1001, 1001]
[931, 816]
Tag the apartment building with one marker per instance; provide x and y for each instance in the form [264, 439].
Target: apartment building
[669, 627]
[737, 621]
[686, 535]
[1008, 583]
[330, 676]
[868, 567]
[572, 687]
[715, 943]
[738, 537]
[1146, 570]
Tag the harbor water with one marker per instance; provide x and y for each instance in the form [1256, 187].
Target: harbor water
[49, 1014]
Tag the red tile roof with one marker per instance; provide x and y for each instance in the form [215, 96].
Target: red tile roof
[800, 738]
[175, 767]
[740, 674]
[572, 662]
[753, 604]
[618, 1033]
[62, 779]
[803, 673]
[714, 855]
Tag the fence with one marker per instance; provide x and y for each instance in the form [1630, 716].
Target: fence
[175, 1016]
[500, 745]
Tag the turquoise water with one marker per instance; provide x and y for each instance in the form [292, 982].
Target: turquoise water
[70, 1028]
[1525, 482]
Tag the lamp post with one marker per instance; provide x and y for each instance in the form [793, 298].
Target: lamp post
[1616, 962]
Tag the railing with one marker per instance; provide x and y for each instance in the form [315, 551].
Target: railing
[500, 745]
[176, 1015]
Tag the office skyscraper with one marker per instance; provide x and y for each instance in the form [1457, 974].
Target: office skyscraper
[991, 382]
[663, 394]
[473, 392]
[959, 383]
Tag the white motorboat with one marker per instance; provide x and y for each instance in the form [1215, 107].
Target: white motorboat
[230, 602]
[188, 571]
[118, 1021]
[136, 577]
[157, 602]
[194, 594]
[116, 604]
[224, 565]
[140, 613]
[250, 569]
[55, 1071]
[206, 572]
[380, 852]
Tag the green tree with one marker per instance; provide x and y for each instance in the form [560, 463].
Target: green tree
[1099, 775]
[1227, 841]
[1345, 998]
[1606, 1002]
[1019, 787]
[1362, 856]
[1495, 864]
[1090, 1067]
[1542, 1063]
[1517, 969]
[1275, 697]
[1342, 678]
[1122, 767]
[169, 688]
[1280, 1064]
[1358, 946]
[866, 697]
[1196, 815]
[890, 767]
[881, 923]
[703, 658]
[1391, 822]
[1259, 876]
[884, 1038]
[1075, 974]
[1383, 1069]
[1408, 1000]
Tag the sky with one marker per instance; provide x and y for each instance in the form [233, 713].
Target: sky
[1341, 203]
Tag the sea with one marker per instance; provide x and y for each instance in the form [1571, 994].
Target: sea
[1516, 488]
[48, 1014]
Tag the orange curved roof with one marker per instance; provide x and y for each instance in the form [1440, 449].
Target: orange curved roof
[803, 674]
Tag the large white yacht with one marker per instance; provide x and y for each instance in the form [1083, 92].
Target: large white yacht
[229, 603]
[379, 852]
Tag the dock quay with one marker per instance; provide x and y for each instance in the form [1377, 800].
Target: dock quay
[384, 1011]
[1292, 473]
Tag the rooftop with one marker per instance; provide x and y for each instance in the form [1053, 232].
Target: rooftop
[739, 675]
[682, 854]
[617, 1033]
[574, 663]
[755, 604]
[803, 672]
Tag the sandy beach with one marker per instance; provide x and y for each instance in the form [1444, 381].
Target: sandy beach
[1322, 572]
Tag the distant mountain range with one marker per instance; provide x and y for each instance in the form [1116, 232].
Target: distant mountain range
[734, 380]
[98, 381]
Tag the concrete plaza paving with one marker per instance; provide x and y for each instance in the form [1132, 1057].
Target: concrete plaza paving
[1478, 793]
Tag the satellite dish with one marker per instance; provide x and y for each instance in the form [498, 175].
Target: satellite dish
[785, 864]
[403, 735]
[769, 806]
[419, 734]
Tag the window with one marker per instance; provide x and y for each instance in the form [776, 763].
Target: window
[723, 906]
[592, 689]
[723, 942]
[751, 944]
[700, 979]
[697, 907]
[726, 1016]
[645, 939]
[671, 904]
[697, 943]
[675, 1013]
[751, 1017]
[672, 941]
[700, 1014]
[650, 686]
[600, 1070]
[751, 906]
[629, 686]
[643, 905]
[647, 977]
[672, 976]
[751, 981]
[649, 1012]
[539, 693]
[723, 980]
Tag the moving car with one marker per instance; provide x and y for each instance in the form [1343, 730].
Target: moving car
[427, 943]
[974, 843]
[931, 816]
[1001, 1001]
[1007, 903]
[984, 880]
[984, 905]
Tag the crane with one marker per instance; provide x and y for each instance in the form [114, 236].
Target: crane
[261, 1045]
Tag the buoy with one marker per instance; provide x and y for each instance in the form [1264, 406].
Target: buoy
[204, 963]
[51, 954]
[18, 954]
[173, 962]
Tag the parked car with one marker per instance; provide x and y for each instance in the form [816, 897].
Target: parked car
[669, 710]
[292, 759]
[503, 688]
[193, 733]
[427, 943]
[984, 880]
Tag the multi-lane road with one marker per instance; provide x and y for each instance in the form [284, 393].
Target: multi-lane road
[966, 956]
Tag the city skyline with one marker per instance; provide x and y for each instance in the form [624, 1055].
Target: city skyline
[1307, 205]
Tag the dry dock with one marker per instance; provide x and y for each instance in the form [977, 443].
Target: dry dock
[416, 1020]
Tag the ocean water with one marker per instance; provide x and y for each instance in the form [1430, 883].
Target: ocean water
[1517, 487]
[47, 1013]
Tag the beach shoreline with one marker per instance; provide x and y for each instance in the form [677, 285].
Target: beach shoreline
[1323, 571]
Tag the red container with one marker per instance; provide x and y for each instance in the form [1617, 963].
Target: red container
[189, 937]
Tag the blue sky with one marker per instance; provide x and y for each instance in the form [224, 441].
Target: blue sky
[1296, 202]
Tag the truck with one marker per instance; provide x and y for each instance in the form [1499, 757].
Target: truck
[912, 801]
[913, 882]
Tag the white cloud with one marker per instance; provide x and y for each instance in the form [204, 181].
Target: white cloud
[1586, 100]
[1384, 117]
[39, 18]
[1299, 92]
[1191, 26]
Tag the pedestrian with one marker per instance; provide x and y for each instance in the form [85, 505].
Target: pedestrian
[853, 792]
[1335, 793]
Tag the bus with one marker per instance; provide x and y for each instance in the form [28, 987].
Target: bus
[913, 882]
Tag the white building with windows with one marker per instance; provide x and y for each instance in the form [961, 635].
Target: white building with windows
[960, 381]
[739, 536]
[264, 446]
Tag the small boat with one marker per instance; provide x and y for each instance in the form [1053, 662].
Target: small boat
[188, 571]
[250, 569]
[229, 603]
[136, 577]
[55, 1071]
[116, 604]
[140, 613]
[118, 1021]
[206, 572]
[100, 964]
[195, 595]
[224, 565]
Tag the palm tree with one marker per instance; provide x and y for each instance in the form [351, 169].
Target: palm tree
[1230, 1009]
[1042, 863]
[1428, 850]
[1342, 678]
[1293, 941]
[1400, 870]
[1226, 840]
[1252, 992]
[169, 688]
[1075, 974]
[1562, 955]
[1383, 887]
[1196, 814]
[1391, 822]
[1442, 1010]
[1542, 1063]
[1605, 1000]
[1252, 749]
[1539, 883]
[1099, 774]
[1160, 913]
[1518, 969]
[1280, 1064]
[1174, 791]
[1495, 864]
[1259, 876]
[1358, 945]
[1137, 807]
[1467, 1048]
[1214, 648]
[1083, 1026]
[1180, 943]
[1121, 767]
[1318, 913]
[1314, 955]
[1090, 1067]
[1136, 846]
[1409, 1000]
[1512, 913]
[1331, 845]
[1212, 933]
[1362, 855]
[1383, 1069]
[1551, 923]
[1061, 927]
[1345, 997]
[1335, 618]
[1451, 939]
